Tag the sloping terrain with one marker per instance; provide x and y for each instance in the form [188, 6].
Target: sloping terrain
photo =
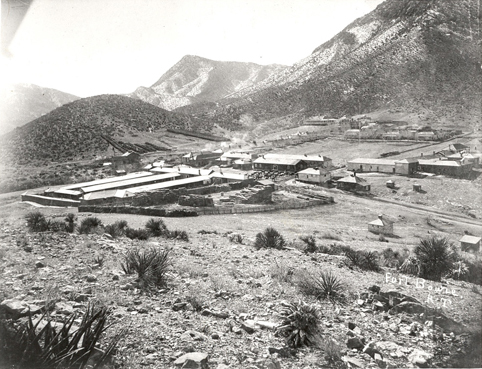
[22, 103]
[411, 55]
[73, 130]
[196, 79]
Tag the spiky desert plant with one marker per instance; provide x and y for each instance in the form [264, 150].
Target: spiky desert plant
[411, 265]
[178, 235]
[310, 243]
[90, 225]
[270, 238]
[236, 238]
[156, 227]
[151, 266]
[323, 285]
[36, 222]
[71, 347]
[137, 234]
[300, 324]
[436, 256]
[70, 221]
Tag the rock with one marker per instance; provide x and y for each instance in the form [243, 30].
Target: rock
[272, 364]
[281, 352]
[408, 307]
[82, 298]
[64, 308]
[91, 278]
[193, 360]
[353, 363]
[223, 366]
[355, 343]
[360, 302]
[370, 349]
[126, 287]
[193, 336]
[394, 327]
[265, 324]
[39, 265]
[374, 289]
[18, 308]
[115, 277]
[351, 325]
[249, 326]
[217, 314]
[179, 306]
[215, 336]
[420, 358]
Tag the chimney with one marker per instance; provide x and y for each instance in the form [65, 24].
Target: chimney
[306, 155]
[421, 154]
[380, 216]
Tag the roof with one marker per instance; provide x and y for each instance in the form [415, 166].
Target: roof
[167, 184]
[265, 182]
[184, 170]
[237, 176]
[352, 179]
[470, 239]
[459, 146]
[372, 161]
[407, 160]
[426, 133]
[129, 182]
[306, 157]
[441, 163]
[104, 194]
[64, 191]
[107, 180]
[280, 160]
[314, 171]
[381, 221]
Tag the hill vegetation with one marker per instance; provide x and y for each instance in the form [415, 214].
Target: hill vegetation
[73, 130]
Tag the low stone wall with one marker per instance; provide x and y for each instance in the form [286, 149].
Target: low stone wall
[196, 201]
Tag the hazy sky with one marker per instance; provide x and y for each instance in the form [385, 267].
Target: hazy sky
[91, 47]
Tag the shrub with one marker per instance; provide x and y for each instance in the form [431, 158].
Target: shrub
[392, 259]
[116, 230]
[236, 238]
[365, 260]
[36, 222]
[178, 235]
[331, 236]
[90, 225]
[151, 266]
[281, 272]
[56, 226]
[300, 324]
[436, 256]
[411, 265]
[323, 285]
[270, 238]
[333, 354]
[137, 234]
[156, 227]
[70, 222]
[310, 242]
[72, 347]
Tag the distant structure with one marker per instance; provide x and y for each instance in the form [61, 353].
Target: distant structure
[314, 175]
[470, 243]
[353, 183]
[381, 225]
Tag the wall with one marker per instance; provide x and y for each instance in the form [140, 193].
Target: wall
[50, 201]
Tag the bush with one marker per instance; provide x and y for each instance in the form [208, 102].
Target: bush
[300, 324]
[331, 236]
[36, 222]
[70, 222]
[392, 259]
[333, 354]
[310, 242]
[236, 238]
[435, 256]
[365, 260]
[411, 265]
[178, 235]
[72, 347]
[324, 285]
[156, 227]
[270, 238]
[151, 266]
[116, 230]
[137, 234]
[90, 225]
[56, 226]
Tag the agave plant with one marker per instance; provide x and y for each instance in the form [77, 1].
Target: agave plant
[150, 265]
[68, 348]
[324, 285]
[270, 238]
[436, 256]
[300, 324]
[411, 265]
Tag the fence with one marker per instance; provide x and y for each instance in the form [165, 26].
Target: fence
[195, 212]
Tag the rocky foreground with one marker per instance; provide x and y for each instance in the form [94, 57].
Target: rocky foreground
[221, 306]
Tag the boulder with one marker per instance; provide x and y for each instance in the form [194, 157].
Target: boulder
[355, 343]
[192, 360]
[420, 358]
[18, 308]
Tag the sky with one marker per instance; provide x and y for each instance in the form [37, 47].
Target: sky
[92, 47]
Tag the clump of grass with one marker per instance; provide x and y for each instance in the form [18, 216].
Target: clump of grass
[330, 236]
[282, 272]
[36, 222]
[137, 234]
[178, 235]
[29, 346]
[90, 225]
[310, 243]
[151, 266]
[270, 238]
[411, 265]
[365, 260]
[323, 285]
[392, 259]
[203, 231]
[99, 260]
[436, 256]
[116, 230]
[156, 227]
[333, 354]
[300, 324]
[236, 238]
[56, 226]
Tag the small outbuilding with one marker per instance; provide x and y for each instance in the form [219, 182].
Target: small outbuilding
[314, 175]
[353, 183]
[470, 243]
[382, 225]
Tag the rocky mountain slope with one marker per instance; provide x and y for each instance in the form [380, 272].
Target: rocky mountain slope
[74, 129]
[420, 56]
[196, 79]
[22, 103]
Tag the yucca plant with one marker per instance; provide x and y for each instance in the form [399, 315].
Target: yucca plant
[300, 324]
[411, 266]
[151, 266]
[70, 222]
[29, 346]
[156, 227]
[436, 256]
[36, 222]
[270, 238]
[137, 234]
[310, 242]
[90, 225]
[178, 235]
[116, 230]
[324, 285]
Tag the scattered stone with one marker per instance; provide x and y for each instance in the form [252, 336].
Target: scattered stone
[353, 363]
[420, 358]
[394, 327]
[374, 289]
[64, 308]
[351, 325]
[91, 278]
[82, 298]
[193, 360]
[39, 265]
[267, 325]
[179, 306]
[281, 352]
[249, 326]
[18, 308]
[193, 336]
[355, 343]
